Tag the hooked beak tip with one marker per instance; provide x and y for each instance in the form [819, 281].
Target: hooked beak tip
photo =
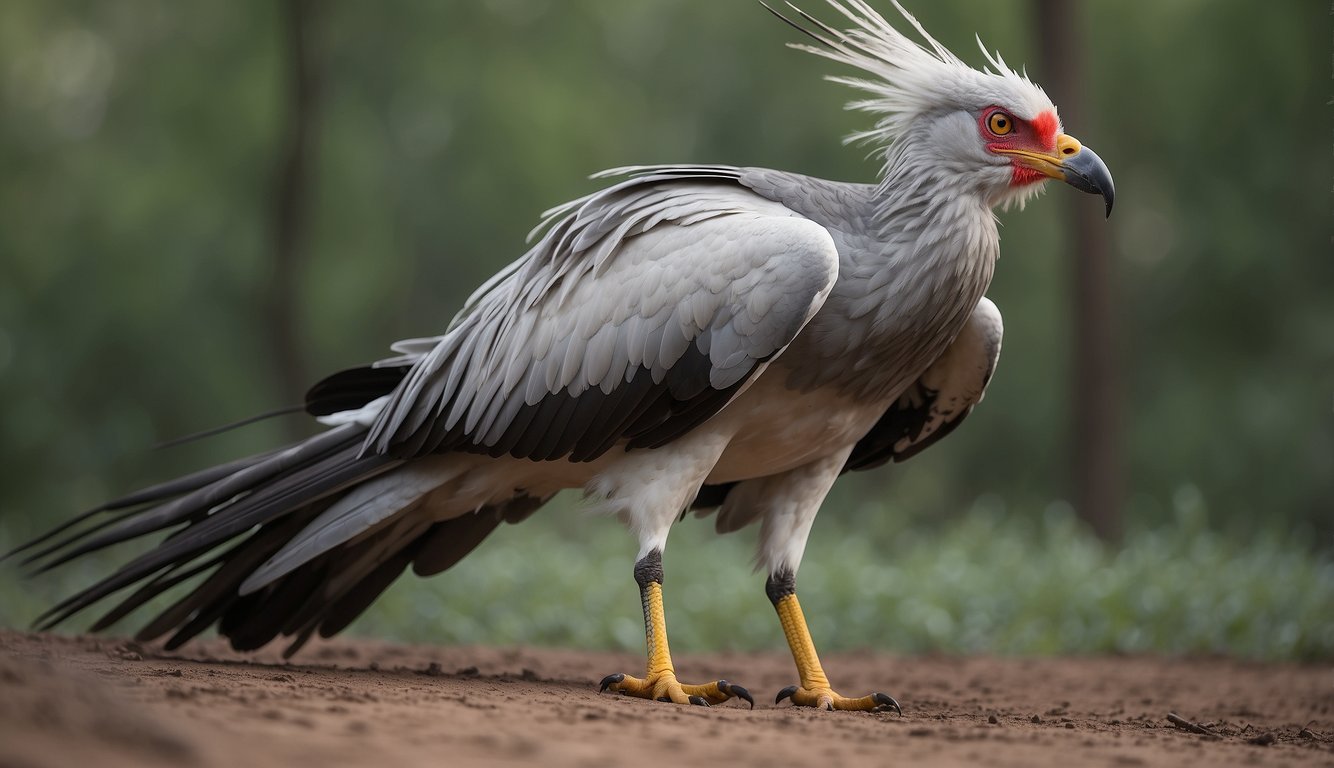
[1087, 172]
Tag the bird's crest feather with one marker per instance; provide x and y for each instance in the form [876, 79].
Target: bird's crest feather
[908, 78]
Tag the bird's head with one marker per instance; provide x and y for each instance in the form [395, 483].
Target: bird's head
[991, 130]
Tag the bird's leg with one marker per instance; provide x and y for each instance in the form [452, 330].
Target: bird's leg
[814, 690]
[790, 502]
[660, 683]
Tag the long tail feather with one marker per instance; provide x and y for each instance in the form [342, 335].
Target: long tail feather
[148, 495]
[199, 501]
[262, 520]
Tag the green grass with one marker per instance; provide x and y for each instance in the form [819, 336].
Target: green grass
[984, 583]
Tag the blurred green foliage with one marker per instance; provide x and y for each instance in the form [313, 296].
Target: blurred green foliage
[138, 143]
[986, 584]
[992, 582]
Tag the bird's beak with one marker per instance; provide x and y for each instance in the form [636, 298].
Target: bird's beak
[1073, 163]
[1082, 169]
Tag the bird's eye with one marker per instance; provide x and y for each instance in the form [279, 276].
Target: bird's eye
[1000, 123]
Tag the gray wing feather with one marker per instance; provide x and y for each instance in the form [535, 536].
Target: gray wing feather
[641, 287]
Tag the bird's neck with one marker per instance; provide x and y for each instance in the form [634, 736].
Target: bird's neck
[934, 221]
[906, 288]
[921, 188]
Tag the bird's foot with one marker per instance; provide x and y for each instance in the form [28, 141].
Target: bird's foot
[828, 699]
[663, 686]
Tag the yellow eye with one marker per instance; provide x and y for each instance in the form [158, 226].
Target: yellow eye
[1000, 123]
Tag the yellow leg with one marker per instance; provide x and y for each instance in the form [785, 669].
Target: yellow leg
[814, 690]
[660, 683]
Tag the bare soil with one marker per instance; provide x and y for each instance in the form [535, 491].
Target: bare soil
[66, 701]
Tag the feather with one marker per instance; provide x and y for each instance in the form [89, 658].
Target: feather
[940, 399]
[609, 288]
[366, 506]
[908, 80]
[167, 490]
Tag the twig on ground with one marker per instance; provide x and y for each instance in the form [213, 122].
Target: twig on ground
[1187, 725]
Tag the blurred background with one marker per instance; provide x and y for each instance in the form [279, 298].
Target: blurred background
[204, 207]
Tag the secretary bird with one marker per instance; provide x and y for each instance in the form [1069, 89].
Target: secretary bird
[723, 339]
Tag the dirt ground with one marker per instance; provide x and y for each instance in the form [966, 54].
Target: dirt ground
[108, 702]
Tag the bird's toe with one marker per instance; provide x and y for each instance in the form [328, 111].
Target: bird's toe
[830, 700]
[664, 686]
[736, 691]
[885, 702]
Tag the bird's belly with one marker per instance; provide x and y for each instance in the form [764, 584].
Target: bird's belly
[777, 429]
[768, 429]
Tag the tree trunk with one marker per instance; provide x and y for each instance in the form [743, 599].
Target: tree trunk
[291, 183]
[1096, 472]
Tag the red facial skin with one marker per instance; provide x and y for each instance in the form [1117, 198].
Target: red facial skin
[1036, 135]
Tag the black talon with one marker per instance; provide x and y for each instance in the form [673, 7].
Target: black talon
[887, 701]
[786, 693]
[699, 701]
[609, 681]
[828, 706]
[667, 699]
[737, 691]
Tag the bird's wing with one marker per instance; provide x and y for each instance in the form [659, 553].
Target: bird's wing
[939, 401]
[642, 310]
